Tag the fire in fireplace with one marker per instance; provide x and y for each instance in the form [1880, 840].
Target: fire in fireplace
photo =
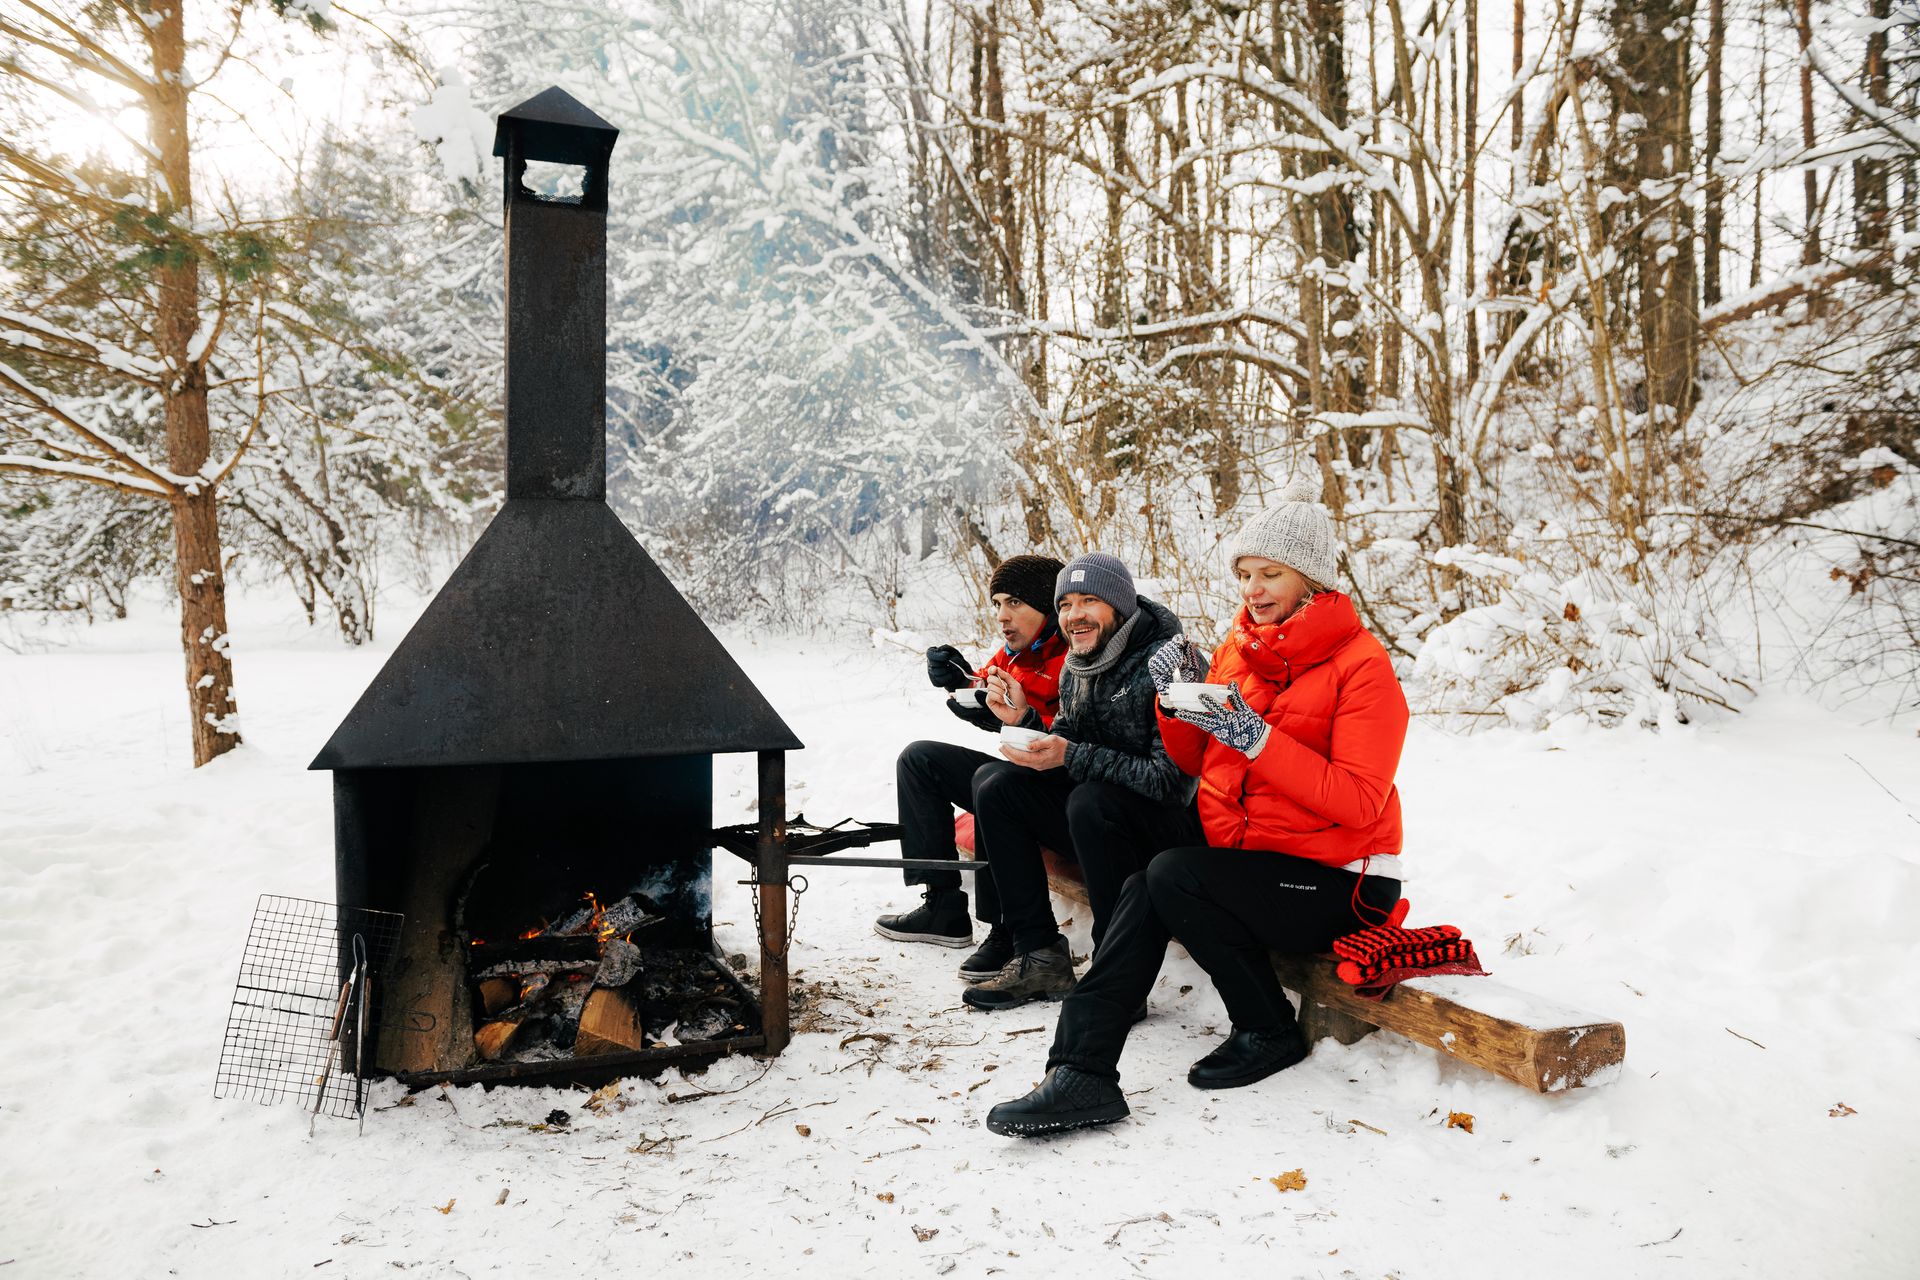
[597, 980]
[529, 778]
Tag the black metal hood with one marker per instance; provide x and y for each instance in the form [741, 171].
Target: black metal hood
[558, 637]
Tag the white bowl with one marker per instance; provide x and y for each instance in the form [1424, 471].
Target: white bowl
[975, 697]
[1015, 736]
[1184, 696]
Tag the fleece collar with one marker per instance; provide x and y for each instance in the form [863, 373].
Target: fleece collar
[1047, 633]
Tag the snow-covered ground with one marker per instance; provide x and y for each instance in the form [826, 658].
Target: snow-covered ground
[1742, 895]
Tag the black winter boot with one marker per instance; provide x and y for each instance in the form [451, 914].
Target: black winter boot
[1067, 1099]
[1248, 1056]
[991, 957]
[941, 918]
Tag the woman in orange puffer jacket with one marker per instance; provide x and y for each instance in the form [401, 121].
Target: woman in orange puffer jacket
[1301, 816]
[1319, 783]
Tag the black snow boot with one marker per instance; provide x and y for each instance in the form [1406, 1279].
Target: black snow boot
[1248, 1056]
[1067, 1099]
[941, 918]
[991, 957]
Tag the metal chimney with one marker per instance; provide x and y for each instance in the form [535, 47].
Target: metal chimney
[558, 637]
[556, 301]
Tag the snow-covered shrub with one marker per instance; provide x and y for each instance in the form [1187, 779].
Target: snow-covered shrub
[1593, 645]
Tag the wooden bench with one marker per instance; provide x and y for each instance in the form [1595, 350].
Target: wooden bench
[1540, 1045]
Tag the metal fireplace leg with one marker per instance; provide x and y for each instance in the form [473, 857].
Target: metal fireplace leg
[771, 872]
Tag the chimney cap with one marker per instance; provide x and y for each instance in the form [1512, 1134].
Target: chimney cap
[554, 125]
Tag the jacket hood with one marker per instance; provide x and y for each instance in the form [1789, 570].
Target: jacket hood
[1159, 626]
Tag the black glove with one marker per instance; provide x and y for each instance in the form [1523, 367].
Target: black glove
[977, 716]
[946, 669]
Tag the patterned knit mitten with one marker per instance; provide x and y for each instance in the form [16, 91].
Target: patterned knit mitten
[1236, 724]
[1369, 946]
[1445, 955]
[1176, 660]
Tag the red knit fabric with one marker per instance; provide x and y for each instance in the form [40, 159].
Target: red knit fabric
[1369, 946]
[1373, 960]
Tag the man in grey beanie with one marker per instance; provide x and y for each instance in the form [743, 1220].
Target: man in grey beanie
[1100, 788]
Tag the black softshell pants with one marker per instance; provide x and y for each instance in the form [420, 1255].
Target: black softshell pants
[932, 779]
[1229, 908]
[1110, 830]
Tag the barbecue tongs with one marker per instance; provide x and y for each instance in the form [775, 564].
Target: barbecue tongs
[355, 992]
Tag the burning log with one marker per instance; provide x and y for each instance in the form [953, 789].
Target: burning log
[502, 956]
[619, 965]
[518, 971]
[608, 1024]
[629, 914]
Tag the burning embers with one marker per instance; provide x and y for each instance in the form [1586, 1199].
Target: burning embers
[599, 980]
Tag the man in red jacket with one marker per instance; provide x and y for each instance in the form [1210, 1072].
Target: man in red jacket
[1018, 685]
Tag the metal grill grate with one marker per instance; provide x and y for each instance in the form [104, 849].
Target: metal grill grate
[285, 1001]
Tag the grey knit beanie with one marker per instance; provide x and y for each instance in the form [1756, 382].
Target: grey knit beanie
[1295, 532]
[1099, 574]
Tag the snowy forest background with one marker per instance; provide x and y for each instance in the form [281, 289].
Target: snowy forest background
[1595, 323]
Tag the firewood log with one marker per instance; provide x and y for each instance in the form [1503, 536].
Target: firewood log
[497, 994]
[608, 1024]
[492, 1039]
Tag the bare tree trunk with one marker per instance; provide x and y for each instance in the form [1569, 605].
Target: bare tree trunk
[1430, 253]
[1716, 44]
[1809, 183]
[1111, 313]
[1006, 213]
[1342, 354]
[1386, 239]
[1654, 48]
[1113, 263]
[1037, 203]
[979, 158]
[1470, 150]
[1870, 175]
[1519, 65]
[1755, 265]
[199, 574]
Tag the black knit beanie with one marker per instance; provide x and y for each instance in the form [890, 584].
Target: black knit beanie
[1028, 579]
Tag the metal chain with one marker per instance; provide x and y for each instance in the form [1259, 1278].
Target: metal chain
[796, 885]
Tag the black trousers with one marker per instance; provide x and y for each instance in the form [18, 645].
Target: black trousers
[1109, 830]
[932, 779]
[1229, 908]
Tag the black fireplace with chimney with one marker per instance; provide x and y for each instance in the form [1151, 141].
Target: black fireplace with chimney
[529, 778]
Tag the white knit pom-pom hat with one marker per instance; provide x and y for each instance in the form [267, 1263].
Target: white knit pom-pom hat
[1295, 531]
